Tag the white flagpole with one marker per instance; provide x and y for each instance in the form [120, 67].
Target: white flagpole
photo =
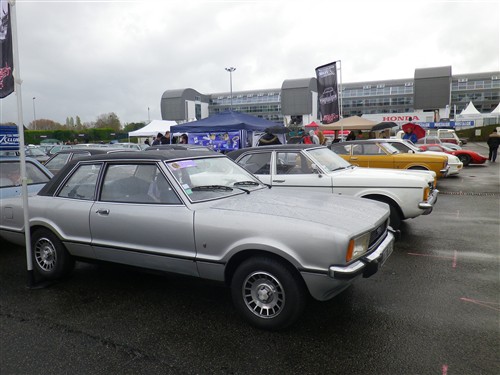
[340, 98]
[22, 153]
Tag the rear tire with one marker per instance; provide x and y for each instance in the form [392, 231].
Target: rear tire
[268, 293]
[51, 260]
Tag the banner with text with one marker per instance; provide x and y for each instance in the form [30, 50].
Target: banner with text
[326, 76]
[6, 55]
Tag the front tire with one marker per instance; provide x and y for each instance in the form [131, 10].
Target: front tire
[268, 293]
[465, 159]
[51, 260]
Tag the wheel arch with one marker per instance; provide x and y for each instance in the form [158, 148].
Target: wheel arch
[242, 256]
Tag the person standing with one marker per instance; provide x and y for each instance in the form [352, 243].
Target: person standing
[157, 139]
[165, 140]
[493, 143]
[314, 137]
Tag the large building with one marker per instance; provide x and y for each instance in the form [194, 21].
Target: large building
[432, 90]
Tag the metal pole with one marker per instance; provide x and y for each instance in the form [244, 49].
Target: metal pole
[231, 70]
[22, 154]
[34, 114]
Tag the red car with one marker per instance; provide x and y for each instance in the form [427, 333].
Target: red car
[466, 156]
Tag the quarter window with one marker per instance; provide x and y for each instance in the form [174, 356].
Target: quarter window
[82, 183]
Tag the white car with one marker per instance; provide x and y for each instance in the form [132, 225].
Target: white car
[404, 146]
[317, 168]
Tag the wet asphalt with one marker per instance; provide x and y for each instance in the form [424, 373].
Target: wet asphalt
[433, 308]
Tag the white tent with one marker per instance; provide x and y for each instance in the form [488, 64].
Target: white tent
[470, 110]
[153, 128]
[496, 111]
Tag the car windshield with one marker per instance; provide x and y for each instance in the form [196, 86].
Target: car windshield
[211, 178]
[327, 159]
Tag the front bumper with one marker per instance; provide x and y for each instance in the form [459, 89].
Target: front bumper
[444, 171]
[367, 265]
[428, 205]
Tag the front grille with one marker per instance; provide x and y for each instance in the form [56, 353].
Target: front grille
[378, 233]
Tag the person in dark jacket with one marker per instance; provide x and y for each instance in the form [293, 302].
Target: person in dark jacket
[493, 143]
[157, 139]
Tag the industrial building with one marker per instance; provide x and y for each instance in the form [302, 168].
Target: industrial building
[433, 91]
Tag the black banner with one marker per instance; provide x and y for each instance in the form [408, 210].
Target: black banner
[328, 93]
[6, 55]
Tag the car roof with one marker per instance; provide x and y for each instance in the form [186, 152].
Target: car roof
[92, 151]
[286, 147]
[178, 147]
[163, 155]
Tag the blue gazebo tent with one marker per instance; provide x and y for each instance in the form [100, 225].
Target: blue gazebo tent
[225, 131]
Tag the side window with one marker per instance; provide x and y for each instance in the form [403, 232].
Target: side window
[82, 183]
[137, 183]
[258, 163]
[341, 149]
[372, 149]
[292, 163]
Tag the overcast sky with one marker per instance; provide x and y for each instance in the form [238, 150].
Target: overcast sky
[87, 58]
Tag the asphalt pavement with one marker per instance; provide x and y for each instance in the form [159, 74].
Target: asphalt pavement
[433, 308]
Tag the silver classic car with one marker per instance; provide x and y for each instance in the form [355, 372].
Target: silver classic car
[216, 221]
[317, 168]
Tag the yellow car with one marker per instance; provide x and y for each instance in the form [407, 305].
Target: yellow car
[378, 153]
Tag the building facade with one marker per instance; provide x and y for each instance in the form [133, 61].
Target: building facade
[432, 90]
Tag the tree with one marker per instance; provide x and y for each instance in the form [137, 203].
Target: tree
[108, 120]
[78, 123]
[45, 124]
[130, 127]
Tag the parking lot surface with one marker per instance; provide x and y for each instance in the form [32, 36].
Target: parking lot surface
[433, 308]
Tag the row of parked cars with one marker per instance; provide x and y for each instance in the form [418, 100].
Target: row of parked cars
[238, 218]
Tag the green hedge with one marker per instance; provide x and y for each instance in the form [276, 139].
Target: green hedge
[86, 136]
[470, 134]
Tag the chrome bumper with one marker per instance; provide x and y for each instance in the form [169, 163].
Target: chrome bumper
[367, 265]
[429, 204]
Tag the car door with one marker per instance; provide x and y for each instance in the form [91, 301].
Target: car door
[140, 220]
[371, 155]
[294, 169]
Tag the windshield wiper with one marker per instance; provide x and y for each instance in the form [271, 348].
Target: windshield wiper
[338, 168]
[211, 188]
[246, 183]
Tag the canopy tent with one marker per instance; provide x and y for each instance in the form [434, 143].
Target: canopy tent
[153, 128]
[470, 110]
[313, 124]
[226, 121]
[229, 130]
[350, 123]
[496, 111]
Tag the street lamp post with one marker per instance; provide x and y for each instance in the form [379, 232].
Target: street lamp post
[34, 114]
[231, 70]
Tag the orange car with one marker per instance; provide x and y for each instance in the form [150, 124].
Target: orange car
[377, 153]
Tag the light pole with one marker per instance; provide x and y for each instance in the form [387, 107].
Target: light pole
[149, 120]
[231, 70]
[34, 114]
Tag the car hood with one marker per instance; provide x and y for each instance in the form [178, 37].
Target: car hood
[360, 176]
[344, 212]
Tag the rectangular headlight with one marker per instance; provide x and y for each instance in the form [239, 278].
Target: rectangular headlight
[357, 247]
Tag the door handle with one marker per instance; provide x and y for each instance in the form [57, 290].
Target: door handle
[102, 211]
[278, 180]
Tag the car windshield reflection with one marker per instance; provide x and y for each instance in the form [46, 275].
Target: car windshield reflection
[328, 160]
[211, 178]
